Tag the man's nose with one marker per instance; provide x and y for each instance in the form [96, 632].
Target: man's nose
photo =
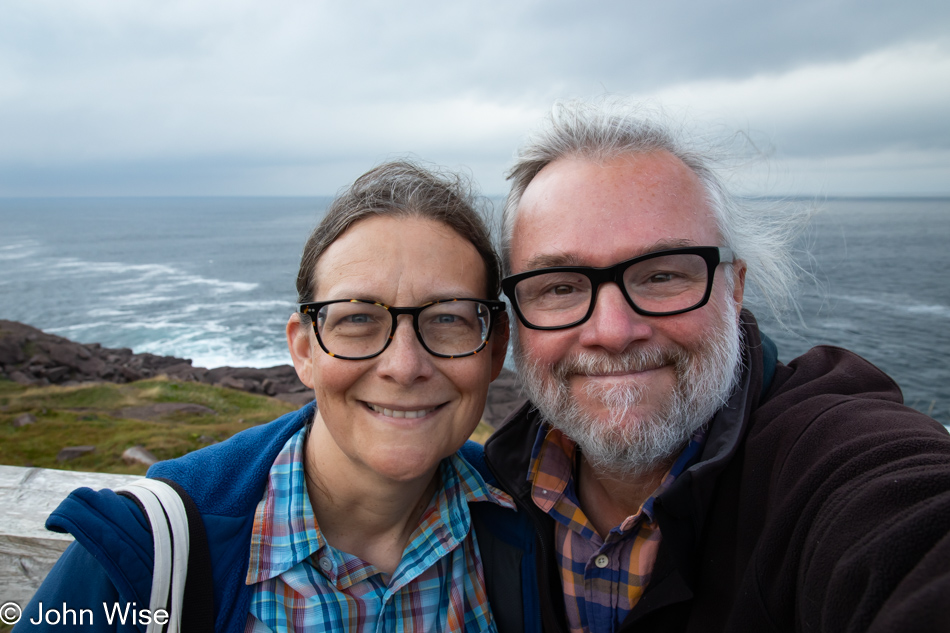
[614, 325]
[405, 360]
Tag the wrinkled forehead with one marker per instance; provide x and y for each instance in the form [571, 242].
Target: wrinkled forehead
[585, 212]
[393, 259]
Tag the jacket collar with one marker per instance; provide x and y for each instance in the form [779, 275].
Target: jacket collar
[681, 510]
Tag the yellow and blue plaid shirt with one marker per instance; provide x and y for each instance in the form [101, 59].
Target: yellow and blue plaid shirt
[602, 578]
[304, 584]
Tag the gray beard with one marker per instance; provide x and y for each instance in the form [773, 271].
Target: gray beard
[625, 442]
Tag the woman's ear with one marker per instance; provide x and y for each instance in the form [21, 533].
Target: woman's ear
[499, 344]
[299, 343]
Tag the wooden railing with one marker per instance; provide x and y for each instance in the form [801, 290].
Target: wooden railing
[27, 549]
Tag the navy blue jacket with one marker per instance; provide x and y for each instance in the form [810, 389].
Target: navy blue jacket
[112, 558]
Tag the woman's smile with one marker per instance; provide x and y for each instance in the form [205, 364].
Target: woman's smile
[397, 414]
[396, 411]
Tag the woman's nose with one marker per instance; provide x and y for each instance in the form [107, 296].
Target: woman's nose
[405, 360]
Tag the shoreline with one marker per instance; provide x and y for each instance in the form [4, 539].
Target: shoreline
[32, 357]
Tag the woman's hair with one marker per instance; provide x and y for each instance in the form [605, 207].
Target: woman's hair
[402, 189]
[759, 232]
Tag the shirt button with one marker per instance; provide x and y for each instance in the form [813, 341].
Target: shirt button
[326, 564]
[601, 561]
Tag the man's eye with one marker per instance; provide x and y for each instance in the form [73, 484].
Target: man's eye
[562, 289]
[659, 278]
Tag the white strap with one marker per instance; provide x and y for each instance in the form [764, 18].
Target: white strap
[165, 509]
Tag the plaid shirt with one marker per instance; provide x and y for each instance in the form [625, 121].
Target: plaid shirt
[304, 584]
[602, 579]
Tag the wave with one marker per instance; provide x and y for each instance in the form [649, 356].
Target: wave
[116, 275]
[285, 307]
[18, 251]
[207, 344]
[221, 348]
[899, 303]
[931, 310]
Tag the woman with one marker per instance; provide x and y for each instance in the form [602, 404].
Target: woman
[353, 515]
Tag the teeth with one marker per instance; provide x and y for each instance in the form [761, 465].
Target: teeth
[400, 414]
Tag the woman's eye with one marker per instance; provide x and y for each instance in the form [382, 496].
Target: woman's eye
[354, 320]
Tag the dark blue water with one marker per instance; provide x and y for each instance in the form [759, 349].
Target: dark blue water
[212, 279]
[883, 290]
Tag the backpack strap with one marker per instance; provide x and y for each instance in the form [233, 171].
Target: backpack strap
[506, 543]
[197, 614]
[179, 539]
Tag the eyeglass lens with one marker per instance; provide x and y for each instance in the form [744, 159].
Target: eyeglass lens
[662, 284]
[358, 329]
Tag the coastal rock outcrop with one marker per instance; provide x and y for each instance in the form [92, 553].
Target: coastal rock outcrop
[138, 455]
[30, 356]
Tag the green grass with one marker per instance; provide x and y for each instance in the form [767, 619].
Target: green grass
[93, 415]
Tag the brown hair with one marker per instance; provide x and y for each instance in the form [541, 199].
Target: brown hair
[402, 189]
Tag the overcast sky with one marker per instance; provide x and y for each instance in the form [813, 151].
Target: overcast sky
[298, 97]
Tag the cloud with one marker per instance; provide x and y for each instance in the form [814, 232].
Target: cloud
[887, 98]
[874, 124]
[238, 96]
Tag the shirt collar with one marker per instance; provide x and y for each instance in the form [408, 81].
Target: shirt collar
[551, 472]
[285, 530]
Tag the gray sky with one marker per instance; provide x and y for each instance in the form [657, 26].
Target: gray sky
[298, 97]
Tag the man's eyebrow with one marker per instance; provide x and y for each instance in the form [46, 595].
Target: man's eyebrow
[666, 245]
[550, 260]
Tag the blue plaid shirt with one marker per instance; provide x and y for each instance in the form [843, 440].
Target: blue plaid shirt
[302, 583]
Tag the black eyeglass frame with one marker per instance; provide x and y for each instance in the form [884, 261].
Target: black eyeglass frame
[314, 307]
[713, 256]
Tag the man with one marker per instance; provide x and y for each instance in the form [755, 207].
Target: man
[679, 477]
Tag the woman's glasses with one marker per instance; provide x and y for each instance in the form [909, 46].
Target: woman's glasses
[354, 329]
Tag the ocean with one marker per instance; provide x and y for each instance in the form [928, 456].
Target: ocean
[212, 279]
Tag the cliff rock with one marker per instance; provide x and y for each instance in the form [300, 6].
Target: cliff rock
[30, 356]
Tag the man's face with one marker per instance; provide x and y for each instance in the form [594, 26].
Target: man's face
[622, 378]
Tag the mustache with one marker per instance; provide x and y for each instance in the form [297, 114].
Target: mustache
[633, 360]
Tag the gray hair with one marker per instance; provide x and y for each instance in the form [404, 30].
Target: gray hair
[403, 189]
[759, 232]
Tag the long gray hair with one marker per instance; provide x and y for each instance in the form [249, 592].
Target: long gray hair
[758, 232]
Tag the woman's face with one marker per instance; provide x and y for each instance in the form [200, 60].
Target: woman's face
[399, 262]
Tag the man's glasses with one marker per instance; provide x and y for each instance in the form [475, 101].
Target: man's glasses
[353, 329]
[657, 284]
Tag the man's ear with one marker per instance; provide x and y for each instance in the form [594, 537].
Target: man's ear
[499, 344]
[738, 289]
[301, 349]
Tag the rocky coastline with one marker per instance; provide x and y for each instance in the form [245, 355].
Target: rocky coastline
[29, 356]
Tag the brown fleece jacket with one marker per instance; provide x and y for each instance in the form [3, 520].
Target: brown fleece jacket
[822, 504]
